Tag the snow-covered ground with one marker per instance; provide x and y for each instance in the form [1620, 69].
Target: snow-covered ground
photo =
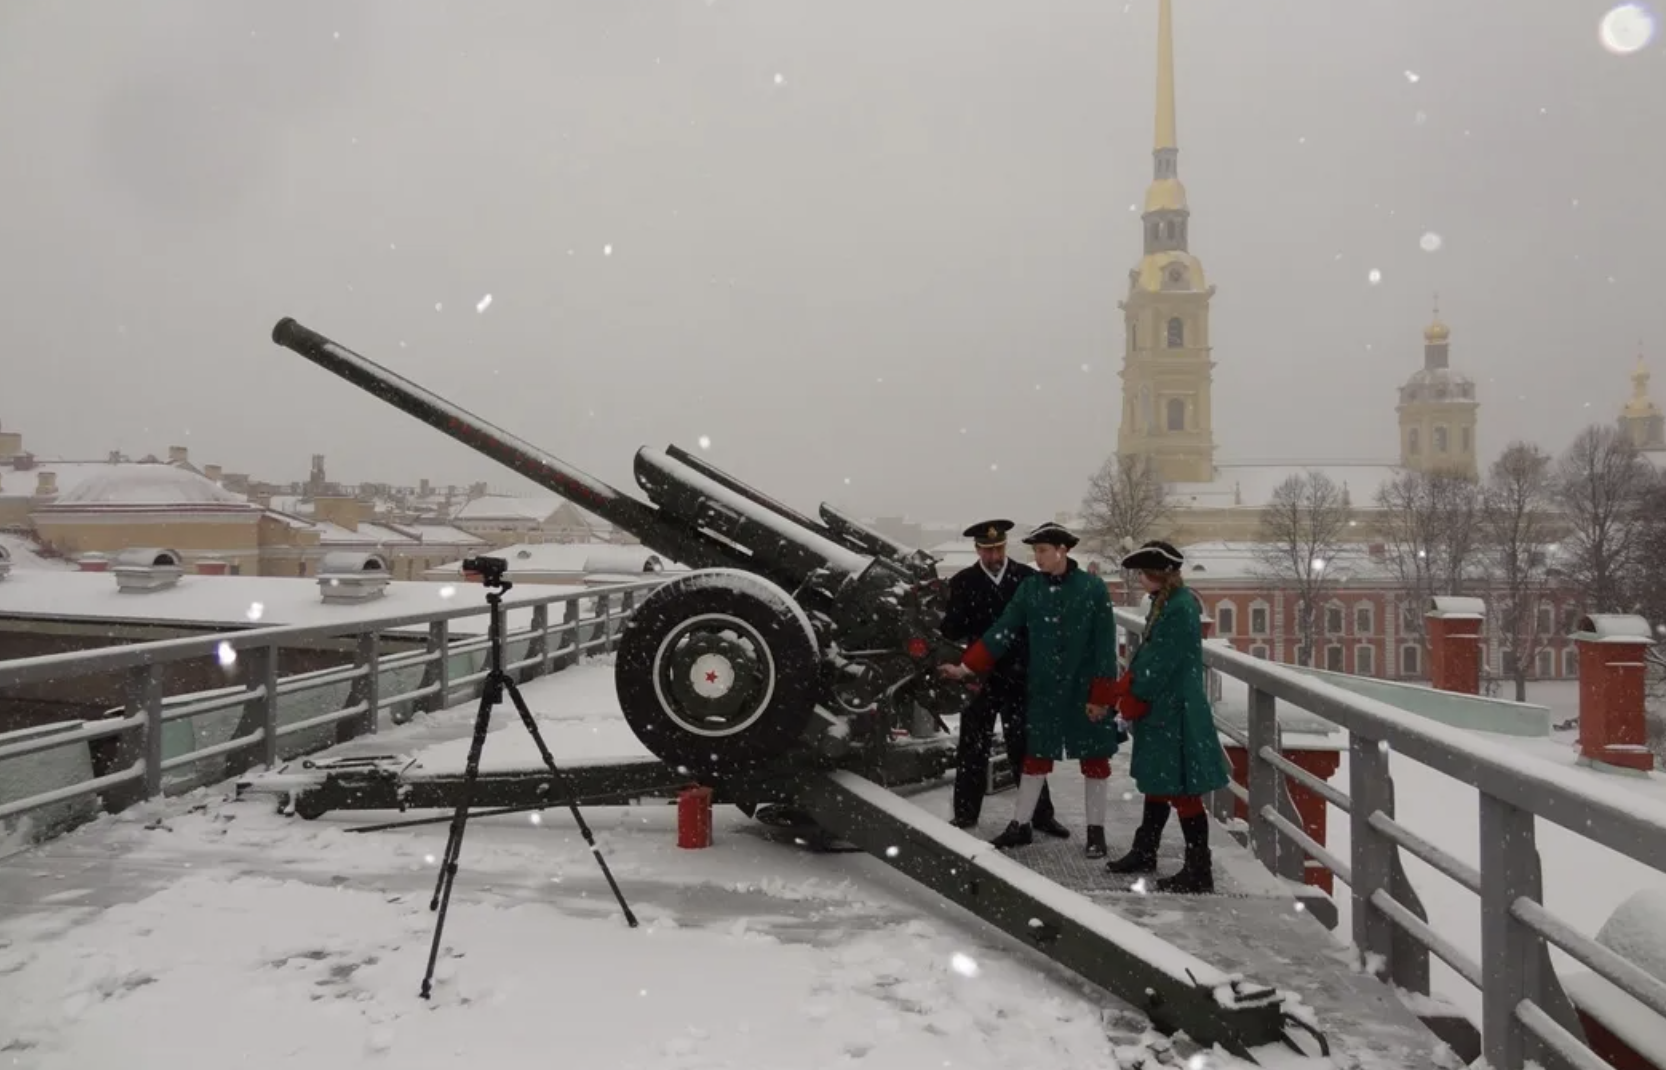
[208, 933]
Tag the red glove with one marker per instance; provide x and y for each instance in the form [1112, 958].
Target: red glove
[1131, 708]
[978, 658]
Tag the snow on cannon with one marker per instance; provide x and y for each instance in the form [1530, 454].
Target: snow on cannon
[792, 640]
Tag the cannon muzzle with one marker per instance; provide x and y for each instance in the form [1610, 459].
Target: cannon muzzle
[621, 510]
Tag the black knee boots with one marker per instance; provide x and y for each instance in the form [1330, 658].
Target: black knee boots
[1143, 857]
[1197, 875]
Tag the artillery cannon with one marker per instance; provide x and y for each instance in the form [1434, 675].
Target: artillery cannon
[794, 639]
[776, 671]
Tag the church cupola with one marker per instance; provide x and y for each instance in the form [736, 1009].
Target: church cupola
[1438, 409]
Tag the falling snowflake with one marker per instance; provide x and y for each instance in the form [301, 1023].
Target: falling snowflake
[1420, 118]
[448, 591]
[705, 442]
[993, 467]
[892, 851]
[1413, 77]
[1430, 242]
[963, 964]
[255, 610]
[1626, 29]
[847, 481]
[226, 653]
[483, 304]
[779, 78]
[1374, 277]
[607, 250]
[438, 306]
[1087, 368]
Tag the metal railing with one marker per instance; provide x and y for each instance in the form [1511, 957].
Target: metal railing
[1525, 1014]
[161, 744]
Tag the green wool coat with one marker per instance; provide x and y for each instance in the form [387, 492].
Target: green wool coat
[1072, 642]
[1176, 748]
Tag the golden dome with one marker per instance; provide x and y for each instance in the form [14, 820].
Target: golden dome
[1437, 332]
[1165, 195]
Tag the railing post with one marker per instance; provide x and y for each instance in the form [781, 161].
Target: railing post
[604, 611]
[1372, 854]
[570, 621]
[1515, 963]
[369, 689]
[437, 674]
[1264, 783]
[537, 648]
[144, 696]
[263, 677]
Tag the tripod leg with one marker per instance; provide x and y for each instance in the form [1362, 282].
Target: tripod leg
[454, 842]
[572, 802]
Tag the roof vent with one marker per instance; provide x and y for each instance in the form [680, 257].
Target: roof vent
[146, 569]
[350, 576]
[5, 561]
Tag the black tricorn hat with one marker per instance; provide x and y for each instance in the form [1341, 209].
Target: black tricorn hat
[986, 533]
[1051, 534]
[1154, 556]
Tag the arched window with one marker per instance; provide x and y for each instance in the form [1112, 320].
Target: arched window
[1133, 337]
[1177, 333]
[1168, 230]
[1463, 437]
[1440, 438]
[1176, 414]
[1412, 444]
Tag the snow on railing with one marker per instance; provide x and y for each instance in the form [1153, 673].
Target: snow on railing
[1525, 1013]
[156, 743]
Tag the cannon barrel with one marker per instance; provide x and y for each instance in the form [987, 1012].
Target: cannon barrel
[621, 510]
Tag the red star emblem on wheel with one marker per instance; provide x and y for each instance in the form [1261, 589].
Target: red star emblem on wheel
[711, 676]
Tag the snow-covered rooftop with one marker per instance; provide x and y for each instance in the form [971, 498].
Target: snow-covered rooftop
[1250, 484]
[25, 554]
[145, 485]
[575, 560]
[232, 601]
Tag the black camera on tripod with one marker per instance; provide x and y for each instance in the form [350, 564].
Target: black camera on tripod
[490, 570]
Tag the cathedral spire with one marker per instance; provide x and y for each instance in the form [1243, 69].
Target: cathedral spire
[1166, 232]
[1166, 137]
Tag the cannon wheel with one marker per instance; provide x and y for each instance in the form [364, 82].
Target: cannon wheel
[717, 671]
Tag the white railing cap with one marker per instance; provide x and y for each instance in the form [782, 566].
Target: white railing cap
[1614, 628]
[1456, 607]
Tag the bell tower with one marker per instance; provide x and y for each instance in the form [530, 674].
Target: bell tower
[1167, 371]
[1438, 410]
[1641, 419]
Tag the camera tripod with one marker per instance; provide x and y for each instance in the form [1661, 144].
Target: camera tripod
[498, 681]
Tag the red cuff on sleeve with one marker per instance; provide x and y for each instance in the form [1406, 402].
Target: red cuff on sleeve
[1104, 692]
[1131, 708]
[978, 658]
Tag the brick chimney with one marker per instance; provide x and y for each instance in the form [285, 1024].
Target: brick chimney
[46, 484]
[211, 472]
[341, 511]
[179, 455]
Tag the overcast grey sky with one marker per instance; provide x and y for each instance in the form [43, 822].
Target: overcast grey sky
[841, 231]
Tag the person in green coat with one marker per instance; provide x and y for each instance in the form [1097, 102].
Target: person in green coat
[1177, 751]
[1066, 614]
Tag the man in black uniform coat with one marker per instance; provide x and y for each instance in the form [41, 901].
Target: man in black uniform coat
[977, 595]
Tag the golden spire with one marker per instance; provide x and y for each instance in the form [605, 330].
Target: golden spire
[1166, 138]
[1436, 333]
[1165, 194]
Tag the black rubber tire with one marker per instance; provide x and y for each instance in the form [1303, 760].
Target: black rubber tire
[777, 690]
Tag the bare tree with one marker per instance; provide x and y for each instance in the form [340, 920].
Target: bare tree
[1517, 529]
[1602, 484]
[1302, 536]
[1126, 504]
[1429, 524]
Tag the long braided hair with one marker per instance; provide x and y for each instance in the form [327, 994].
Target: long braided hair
[1172, 581]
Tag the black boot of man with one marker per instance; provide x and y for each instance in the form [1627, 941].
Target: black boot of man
[1197, 876]
[1142, 858]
